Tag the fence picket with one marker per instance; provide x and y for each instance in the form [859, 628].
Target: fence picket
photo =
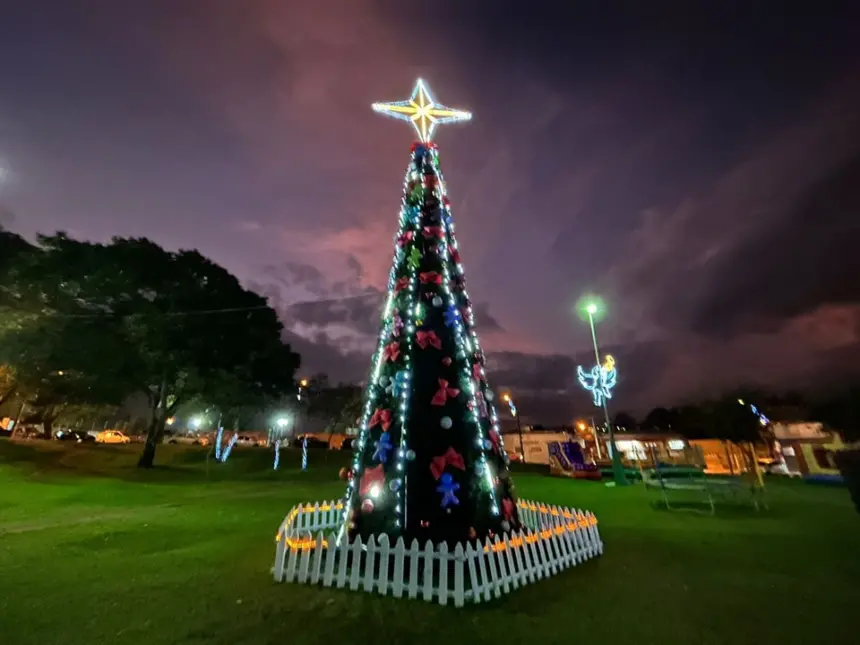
[554, 552]
[330, 555]
[342, 563]
[577, 546]
[316, 565]
[413, 569]
[570, 537]
[304, 564]
[482, 566]
[526, 553]
[518, 554]
[427, 590]
[397, 578]
[564, 554]
[369, 565]
[355, 563]
[383, 564]
[582, 534]
[280, 555]
[459, 565]
[292, 563]
[493, 570]
[544, 560]
[513, 574]
[443, 573]
[499, 553]
[598, 543]
[534, 556]
[589, 539]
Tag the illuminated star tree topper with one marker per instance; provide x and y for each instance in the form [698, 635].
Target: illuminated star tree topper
[422, 111]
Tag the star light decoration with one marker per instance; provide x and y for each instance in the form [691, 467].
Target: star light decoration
[422, 111]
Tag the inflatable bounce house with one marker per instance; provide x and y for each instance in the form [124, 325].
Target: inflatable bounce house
[566, 460]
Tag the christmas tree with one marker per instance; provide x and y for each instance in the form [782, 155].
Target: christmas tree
[429, 462]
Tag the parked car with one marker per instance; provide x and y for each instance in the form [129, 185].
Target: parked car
[73, 435]
[112, 436]
[249, 440]
[196, 440]
[313, 443]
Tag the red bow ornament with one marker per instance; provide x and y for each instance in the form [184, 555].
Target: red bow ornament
[433, 231]
[494, 439]
[396, 325]
[430, 277]
[450, 458]
[371, 477]
[401, 284]
[429, 145]
[482, 404]
[476, 373]
[508, 508]
[404, 238]
[392, 351]
[441, 396]
[380, 418]
[425, 338]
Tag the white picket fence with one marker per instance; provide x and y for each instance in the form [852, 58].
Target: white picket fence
[555, 538]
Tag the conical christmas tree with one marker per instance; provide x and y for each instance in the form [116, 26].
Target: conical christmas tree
[429, 461]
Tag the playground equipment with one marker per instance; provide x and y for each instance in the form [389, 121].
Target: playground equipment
[566, 460]
[687, 487]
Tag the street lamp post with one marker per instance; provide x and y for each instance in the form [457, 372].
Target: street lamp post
[617, 467]
[507, 399]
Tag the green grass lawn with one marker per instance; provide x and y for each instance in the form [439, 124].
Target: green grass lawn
[94, 551]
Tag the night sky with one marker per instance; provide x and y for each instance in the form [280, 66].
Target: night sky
[696, 163]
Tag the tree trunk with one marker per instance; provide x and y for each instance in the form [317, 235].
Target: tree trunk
[154, 435]
[48, 419]
[155, 431]
[16, 425]
[8, 394]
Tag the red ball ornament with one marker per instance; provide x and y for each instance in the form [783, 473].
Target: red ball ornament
[343, 474]
[367, 506]
[446, 361]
